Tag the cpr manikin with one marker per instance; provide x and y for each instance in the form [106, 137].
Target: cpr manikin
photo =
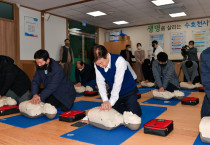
[204, 129]
[36, 110]
[166, 95]
[112, 119]
[149, 84]
[7, 101]
[82, 89]
[185, 85]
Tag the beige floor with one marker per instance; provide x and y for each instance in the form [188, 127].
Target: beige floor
[186, 120]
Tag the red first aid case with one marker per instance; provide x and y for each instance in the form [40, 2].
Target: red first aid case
[6, 110]
[91, 93]
[72, 115]
[138, 95]
[201, 89]
[190, 101]
[159, 127]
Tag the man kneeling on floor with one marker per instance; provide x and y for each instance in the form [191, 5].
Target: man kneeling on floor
[58, 89]
[114, 70]
[85, 75]
[164, 74]
[190, 69]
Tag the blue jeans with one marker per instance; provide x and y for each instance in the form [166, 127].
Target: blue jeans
[92, 84]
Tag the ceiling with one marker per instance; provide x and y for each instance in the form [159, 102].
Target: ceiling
[136, 12]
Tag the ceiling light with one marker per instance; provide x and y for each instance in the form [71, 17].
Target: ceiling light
[162, 2]
[120, 22]
[178, 14]
[96, 13]
[75, 29]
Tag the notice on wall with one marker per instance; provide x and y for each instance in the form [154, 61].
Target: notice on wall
[31, 26]
[177, 41]
[202, 39]
[159, 39]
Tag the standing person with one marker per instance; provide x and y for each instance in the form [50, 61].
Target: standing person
[127, 54]
[164, 74]
[14, 82]
[156, 49]
[114, 70]
[192, 52]
[67, 57]
[147, 71]
[58, 89]
[139, 56]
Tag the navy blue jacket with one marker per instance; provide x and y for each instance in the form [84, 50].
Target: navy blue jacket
[205, 71]
[55, 83]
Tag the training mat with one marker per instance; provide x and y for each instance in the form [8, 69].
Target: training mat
[85, 105]
[186, 90]
[172, 102]
[24, 122]
[80, 95]
[93, 135]
[199, 142]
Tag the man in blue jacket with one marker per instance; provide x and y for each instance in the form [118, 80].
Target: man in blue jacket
[114, 70]
[205, 75]
[58, 89]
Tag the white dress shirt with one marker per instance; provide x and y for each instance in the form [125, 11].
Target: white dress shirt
[158, 50]
[121, 66]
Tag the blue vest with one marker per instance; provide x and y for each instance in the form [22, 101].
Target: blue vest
[128, 83]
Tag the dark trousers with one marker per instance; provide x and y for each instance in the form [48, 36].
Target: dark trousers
[170, 87]
[92, 84]
[205, 110]
[55, 102]
[67, 68]
[128, 102]
[196, 79]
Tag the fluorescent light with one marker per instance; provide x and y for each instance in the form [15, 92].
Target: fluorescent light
[162, 2]
[178, 14]
[96, 13]
[120, 22]
[75, 29]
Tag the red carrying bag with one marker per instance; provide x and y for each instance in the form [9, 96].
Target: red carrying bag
[159, 127]
[91, 93]
[201, 89]
[190, 101]
[7, 110]
[72, 115]
[138, 95]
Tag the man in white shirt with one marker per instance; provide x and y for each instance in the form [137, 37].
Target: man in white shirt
[114, 70]
[156, 49]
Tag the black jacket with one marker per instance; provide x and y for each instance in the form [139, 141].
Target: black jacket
[123, 54]
[12, 77]
[147, 72]
[86, 75]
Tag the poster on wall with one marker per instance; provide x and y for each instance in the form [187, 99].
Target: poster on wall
[177, 41]
[159, 39]
[31, 26]
[202, 39]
